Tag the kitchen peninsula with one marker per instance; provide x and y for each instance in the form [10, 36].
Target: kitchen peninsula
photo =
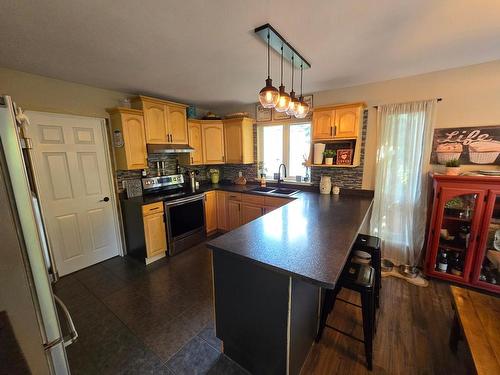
[269, 275]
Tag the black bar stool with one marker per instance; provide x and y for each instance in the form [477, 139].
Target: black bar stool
[371, 245]
[359, 278]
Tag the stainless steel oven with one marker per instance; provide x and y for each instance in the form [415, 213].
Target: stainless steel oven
[185, 222]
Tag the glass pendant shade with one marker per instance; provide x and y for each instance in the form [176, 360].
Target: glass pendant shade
[269, 96]
[294, 103]
[302, 108]
[284, 100]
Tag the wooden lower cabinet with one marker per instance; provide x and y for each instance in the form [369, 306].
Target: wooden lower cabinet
[221, 201]
[154, 229]
[233, 214]
[250, 212]
[210, 211]
[236, 209]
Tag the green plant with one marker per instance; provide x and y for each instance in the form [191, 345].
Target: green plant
[329, 153]
[453, 163]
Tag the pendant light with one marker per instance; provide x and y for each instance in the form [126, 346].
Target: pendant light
[292, 106]
[284, 99]
[303, 107]
[269, 95]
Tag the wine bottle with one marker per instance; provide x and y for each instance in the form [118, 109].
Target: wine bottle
[443, 262]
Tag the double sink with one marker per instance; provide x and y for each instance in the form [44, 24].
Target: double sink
[278, 190]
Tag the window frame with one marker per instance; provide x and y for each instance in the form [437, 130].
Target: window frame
[286, 145]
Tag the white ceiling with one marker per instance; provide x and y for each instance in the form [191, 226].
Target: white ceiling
[205, 52]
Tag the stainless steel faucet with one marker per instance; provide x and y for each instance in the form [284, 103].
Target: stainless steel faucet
[280, 180]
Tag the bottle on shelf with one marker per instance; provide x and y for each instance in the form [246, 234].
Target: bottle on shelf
[442, 263]
[456, 264]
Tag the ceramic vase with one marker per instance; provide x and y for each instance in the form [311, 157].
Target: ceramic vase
[319, 148]
[325, 185]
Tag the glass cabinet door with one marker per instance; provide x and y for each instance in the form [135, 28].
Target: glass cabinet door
[487, 266]
[455, 232]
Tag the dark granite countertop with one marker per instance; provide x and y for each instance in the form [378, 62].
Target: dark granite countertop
[309, 238]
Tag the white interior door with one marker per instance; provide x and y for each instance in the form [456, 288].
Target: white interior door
[77, 197]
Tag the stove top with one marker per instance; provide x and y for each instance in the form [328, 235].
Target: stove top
[165, 188]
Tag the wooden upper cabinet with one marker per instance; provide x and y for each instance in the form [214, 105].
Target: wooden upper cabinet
[347, 122]
[323, 123]
[195, 141]
[238, 140]
[155, 119]
[177, 124]
[210, 211]
[164, 121]
[213, 142]
[128, 124]
[337, 122]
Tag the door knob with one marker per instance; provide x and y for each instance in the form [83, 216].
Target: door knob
[105, 199]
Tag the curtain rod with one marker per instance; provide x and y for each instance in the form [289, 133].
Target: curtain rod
[438, 99]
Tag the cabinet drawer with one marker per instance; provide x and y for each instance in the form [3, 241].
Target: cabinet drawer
[152, 208]
[250, 198]
[275, 202]
[234, 196]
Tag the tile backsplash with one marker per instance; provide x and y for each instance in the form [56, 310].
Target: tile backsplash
[343, 177]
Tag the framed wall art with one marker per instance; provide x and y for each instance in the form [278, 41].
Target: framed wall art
[262, 114]
[468, 145]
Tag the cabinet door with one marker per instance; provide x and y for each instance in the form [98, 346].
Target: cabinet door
[346, 122]
[456, 222]
[195, 141]
[213, 141]
[155, 235]
[233, 214]
[177, 125]
[486, 273]
[134, 141]
[323, 122]
[222, 214]
[233, 143]
[250, 212]
[155, 119]
[210, 211]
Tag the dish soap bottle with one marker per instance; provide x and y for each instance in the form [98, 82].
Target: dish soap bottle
[262, 180]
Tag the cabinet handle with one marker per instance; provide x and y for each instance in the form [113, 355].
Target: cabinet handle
[192, 160]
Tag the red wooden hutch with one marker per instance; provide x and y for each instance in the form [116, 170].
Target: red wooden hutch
[464, 231]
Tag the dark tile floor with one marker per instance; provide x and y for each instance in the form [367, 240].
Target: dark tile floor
[134, 319]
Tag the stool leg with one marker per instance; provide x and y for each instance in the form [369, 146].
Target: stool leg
[377, 265]
[326, 308]
[368, 311]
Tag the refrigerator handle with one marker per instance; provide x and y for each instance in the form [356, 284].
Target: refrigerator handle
[73, 334]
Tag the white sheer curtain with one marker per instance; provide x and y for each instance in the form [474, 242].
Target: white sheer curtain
[404, 133]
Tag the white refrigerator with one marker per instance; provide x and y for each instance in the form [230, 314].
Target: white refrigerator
[30, 322]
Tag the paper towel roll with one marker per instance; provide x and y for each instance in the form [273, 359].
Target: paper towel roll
[319, 148]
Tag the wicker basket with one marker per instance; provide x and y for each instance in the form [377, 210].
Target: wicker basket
[444, 157]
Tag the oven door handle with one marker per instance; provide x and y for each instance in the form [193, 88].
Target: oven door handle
[177, 202]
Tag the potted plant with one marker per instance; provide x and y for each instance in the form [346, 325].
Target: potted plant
[453, 167]
[329, 155]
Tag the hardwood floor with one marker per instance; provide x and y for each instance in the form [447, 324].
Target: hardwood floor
[413, 327]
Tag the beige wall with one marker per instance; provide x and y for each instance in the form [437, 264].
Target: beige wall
[39, 93]
[471, 96]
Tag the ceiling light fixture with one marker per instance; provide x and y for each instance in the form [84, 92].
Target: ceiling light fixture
[284, 99]
[294, 102]
[269, 95]
[303, 107]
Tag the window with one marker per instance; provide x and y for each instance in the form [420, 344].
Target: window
[288, 144]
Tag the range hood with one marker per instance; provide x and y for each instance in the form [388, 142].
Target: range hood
[169, 149]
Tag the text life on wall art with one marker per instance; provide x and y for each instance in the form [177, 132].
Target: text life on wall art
[479, 145]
